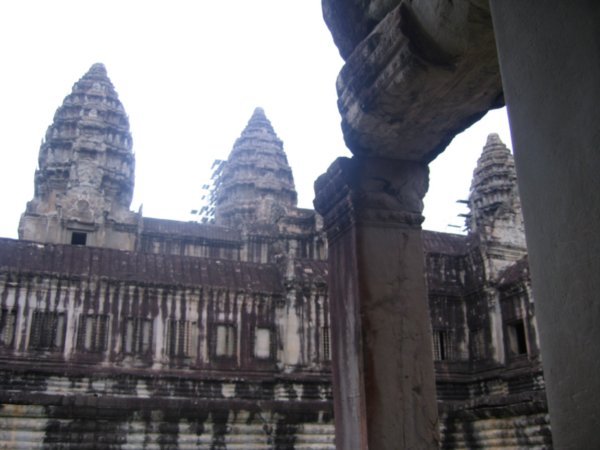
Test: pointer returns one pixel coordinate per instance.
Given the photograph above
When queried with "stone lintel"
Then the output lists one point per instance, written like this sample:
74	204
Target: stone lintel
417	80
384	386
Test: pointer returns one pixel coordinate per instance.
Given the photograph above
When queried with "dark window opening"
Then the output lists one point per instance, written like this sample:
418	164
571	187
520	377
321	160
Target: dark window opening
517	340
78	238
440	345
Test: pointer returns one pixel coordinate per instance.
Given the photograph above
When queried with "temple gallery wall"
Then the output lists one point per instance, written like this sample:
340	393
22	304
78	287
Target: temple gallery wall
119	331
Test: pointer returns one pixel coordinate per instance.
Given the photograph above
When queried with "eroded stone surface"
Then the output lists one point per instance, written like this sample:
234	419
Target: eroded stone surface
416	74
416	80
351	21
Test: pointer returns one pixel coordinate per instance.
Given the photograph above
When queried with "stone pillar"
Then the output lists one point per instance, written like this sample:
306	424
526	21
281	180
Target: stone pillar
550	64
494	312
384	385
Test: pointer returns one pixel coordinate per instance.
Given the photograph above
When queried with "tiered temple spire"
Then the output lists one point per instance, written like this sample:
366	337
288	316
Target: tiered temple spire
494	193
89	143
496	216
85	174
256	182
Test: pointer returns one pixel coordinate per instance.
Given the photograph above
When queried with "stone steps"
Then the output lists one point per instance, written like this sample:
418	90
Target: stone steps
29	427
525	432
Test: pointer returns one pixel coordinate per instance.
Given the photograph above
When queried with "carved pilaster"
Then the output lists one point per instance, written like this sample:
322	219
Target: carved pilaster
381	333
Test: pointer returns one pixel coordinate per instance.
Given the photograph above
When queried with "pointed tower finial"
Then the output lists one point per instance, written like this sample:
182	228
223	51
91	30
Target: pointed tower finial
493	184
493	139
97	69
259	123
256	182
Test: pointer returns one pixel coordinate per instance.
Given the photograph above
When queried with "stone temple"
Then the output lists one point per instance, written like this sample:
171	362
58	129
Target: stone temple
119	331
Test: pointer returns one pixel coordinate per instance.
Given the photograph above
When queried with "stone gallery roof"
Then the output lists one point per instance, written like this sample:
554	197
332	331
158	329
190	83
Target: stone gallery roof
79	261
445	243
178	229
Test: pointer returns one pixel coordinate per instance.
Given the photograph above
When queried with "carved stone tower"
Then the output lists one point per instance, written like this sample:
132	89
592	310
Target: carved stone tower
255	184
85	176
495	207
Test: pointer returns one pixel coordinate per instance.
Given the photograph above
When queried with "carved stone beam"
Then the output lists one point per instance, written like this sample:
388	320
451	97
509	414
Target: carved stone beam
384	385
427	71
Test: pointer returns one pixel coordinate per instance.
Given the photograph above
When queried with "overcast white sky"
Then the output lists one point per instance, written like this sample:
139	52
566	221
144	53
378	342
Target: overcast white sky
189	74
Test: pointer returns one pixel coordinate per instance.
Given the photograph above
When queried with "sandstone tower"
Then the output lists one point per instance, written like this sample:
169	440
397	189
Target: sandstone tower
495	207
256	184
85	176
255	194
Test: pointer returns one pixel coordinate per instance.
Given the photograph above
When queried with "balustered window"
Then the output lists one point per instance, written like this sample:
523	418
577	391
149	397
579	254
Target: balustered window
92	335
47	331
262	343
137	336
225	342
182	338
8	320
444	346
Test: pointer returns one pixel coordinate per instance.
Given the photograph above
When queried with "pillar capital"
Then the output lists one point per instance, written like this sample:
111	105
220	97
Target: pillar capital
371	191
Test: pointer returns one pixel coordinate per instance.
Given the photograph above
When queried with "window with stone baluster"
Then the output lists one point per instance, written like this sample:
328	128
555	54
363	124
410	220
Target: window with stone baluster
47	331
182	338
92	333
8	320
137	336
